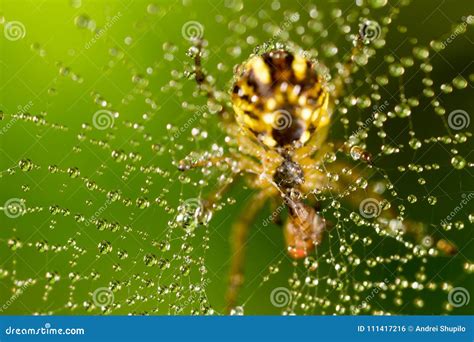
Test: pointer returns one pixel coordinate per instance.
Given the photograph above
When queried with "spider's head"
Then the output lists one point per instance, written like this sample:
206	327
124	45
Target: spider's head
279	97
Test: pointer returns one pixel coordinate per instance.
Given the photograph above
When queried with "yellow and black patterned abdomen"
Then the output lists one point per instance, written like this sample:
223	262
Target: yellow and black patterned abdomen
280	98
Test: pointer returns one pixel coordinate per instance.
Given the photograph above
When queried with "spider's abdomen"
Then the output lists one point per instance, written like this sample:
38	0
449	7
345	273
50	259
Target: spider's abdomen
280	98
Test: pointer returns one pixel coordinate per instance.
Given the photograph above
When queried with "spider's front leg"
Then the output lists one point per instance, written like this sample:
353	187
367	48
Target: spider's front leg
201	78
347	68
207	161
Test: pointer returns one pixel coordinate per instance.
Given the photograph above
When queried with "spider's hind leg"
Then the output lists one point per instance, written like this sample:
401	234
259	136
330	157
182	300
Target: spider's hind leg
239	235
371	202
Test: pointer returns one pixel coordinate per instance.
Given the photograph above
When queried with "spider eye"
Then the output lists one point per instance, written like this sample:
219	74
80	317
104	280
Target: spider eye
280	98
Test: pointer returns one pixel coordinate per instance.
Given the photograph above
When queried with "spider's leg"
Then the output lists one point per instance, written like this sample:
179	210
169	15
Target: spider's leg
238	240
210	161
348	67
388	218
203	83
276	207
216	195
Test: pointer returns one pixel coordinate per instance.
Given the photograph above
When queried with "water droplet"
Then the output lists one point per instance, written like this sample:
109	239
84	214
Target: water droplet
237	311
459	82
25	165
458	162
105	247
378	3
150	260
396	70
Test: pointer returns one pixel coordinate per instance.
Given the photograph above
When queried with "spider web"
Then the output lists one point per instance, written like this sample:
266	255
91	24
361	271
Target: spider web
98	218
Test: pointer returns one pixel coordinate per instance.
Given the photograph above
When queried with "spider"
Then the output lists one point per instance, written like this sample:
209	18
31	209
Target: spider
282	108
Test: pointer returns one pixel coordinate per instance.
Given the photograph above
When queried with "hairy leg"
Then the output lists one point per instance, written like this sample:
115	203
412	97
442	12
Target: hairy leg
238	240
347	68
387	218
203	83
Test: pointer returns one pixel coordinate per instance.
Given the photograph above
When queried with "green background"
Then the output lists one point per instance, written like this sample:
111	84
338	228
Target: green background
28	74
